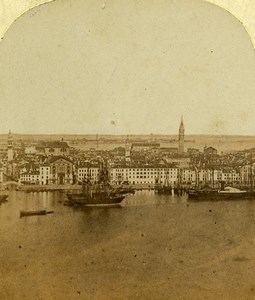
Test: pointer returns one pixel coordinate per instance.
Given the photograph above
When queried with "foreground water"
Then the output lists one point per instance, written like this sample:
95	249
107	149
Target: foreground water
152	247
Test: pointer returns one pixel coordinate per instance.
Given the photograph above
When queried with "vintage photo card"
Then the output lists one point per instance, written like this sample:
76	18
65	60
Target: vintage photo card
127	149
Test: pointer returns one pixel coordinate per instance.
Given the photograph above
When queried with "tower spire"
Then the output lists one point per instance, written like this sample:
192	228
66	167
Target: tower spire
181	136
9	154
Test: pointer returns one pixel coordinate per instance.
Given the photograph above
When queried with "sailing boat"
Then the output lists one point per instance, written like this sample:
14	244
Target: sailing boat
166	188
96	194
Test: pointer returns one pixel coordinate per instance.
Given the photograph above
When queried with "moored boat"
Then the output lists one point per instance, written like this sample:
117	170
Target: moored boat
125	190
164	189
94	199
97	194
24	213
200	194
228	193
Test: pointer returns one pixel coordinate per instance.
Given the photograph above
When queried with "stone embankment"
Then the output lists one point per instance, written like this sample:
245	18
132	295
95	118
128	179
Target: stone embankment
48	188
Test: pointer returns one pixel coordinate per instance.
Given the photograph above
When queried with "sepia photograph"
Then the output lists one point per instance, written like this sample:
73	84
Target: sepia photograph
127	149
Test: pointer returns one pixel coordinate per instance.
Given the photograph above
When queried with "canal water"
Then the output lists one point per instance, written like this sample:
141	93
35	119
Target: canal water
151	247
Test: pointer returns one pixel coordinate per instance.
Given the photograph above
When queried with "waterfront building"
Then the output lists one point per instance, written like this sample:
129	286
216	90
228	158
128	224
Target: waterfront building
144	175
45	175
30	177
247	174
61	170
188	176
203	176
230	176
213	177
87	171
181	137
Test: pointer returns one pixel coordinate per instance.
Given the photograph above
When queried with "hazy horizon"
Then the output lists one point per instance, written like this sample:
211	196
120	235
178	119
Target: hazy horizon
129	134
223	143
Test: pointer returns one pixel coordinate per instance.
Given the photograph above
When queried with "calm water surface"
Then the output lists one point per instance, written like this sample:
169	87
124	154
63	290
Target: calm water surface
151	247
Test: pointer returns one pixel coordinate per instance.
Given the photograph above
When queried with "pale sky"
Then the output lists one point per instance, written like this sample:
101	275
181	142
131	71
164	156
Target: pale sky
127	67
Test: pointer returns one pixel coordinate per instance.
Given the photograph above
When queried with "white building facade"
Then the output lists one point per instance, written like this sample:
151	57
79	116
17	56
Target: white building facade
31	177
144	175
84	172
44	172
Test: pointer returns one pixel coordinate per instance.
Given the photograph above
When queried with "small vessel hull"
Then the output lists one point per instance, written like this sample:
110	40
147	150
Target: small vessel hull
164	190
125	191
82	199
24	213
32	212
219	196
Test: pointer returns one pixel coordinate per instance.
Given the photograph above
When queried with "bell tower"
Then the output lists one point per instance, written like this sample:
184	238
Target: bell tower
181	137
127	150
9	147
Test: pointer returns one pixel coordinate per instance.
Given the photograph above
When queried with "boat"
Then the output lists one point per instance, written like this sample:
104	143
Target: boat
3	198
228	193
202	194
125	190
163	189
24	213
97	194
96	199
225	193
170	190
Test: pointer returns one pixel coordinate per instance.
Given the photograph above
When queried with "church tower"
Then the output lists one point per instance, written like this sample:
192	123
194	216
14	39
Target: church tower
181	137
127	150
9	147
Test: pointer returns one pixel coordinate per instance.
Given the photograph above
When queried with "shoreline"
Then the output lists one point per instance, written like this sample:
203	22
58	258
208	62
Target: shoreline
75	187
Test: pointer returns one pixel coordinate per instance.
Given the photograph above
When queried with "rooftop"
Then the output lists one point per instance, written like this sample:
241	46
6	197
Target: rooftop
55	158
55	144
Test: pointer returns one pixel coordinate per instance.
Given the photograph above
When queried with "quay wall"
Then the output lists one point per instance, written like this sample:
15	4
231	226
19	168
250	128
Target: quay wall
74	187
42	188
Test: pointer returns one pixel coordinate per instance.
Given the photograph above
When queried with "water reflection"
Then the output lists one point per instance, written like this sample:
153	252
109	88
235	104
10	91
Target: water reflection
148	238
151	198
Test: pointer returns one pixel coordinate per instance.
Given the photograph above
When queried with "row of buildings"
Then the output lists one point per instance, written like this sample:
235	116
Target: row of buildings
138	163
61	170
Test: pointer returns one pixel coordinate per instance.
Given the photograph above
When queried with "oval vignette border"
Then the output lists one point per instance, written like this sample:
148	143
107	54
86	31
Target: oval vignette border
244	12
